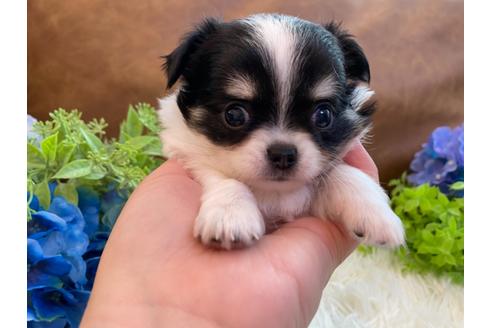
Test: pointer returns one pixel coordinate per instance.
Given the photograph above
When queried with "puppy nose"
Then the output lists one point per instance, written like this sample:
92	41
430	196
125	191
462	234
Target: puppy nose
282	156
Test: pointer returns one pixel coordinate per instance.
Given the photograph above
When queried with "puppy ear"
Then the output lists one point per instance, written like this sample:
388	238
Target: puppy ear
176	62
356	65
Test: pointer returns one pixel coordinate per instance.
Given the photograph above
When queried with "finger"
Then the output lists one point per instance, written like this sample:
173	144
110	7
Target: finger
162	208
359	157
170	167
324	240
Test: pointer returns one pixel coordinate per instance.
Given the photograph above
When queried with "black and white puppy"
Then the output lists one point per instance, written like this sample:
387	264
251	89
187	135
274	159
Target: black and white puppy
266	109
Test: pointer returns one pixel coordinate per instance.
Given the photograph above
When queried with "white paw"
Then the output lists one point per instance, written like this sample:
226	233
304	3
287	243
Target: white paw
361	204
377	225
229	216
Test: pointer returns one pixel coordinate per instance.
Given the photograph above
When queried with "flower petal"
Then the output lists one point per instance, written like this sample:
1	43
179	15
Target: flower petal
43	222
53	243
47	273
68	212
76	242
78	270
34	251
442	138
31	315
92	265
46	304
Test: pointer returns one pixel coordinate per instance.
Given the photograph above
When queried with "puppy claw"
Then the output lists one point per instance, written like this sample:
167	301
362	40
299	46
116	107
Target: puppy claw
359	234
379	226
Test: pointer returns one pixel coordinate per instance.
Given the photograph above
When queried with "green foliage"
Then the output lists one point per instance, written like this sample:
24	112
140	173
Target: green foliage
434	227
73	153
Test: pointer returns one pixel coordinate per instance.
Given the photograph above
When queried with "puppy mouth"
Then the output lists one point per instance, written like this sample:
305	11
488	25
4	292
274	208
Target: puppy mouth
279	179
282	177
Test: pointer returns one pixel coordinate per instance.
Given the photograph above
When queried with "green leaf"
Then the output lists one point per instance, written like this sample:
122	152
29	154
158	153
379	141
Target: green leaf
132	126
49	147
97	172
411	205
67	191
459	185
65	152
35	158
75	169
454	211
109	218
154	149
140	142
42	192
94	143
434	227
425	205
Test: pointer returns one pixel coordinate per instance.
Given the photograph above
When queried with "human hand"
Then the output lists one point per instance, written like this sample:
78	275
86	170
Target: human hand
153	272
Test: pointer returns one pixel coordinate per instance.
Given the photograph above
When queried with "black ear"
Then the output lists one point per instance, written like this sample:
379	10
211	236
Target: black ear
356	65
175	63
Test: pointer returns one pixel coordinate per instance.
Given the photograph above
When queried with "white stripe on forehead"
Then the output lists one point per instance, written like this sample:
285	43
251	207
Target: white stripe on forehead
276	35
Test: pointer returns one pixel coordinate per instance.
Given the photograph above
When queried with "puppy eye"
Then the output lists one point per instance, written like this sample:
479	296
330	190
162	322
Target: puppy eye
322	116
236	115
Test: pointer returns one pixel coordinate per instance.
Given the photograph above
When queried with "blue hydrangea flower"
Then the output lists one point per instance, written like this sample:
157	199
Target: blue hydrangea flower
55	307
44	271
65	243
89	205
64	247
56	243
111	205
93	255
441	160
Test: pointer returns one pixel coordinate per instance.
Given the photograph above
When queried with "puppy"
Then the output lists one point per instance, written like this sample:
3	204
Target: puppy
266	109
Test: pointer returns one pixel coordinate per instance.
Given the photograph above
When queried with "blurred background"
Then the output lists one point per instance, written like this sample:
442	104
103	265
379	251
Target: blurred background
100	56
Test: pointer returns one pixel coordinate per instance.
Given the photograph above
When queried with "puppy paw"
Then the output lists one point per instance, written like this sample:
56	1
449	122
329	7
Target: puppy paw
377	225
229	216
351	196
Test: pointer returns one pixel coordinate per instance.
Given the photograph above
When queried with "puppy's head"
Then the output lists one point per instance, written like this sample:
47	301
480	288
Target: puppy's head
274	99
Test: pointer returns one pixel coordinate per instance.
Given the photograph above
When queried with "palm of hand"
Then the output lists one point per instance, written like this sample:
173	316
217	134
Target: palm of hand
154	272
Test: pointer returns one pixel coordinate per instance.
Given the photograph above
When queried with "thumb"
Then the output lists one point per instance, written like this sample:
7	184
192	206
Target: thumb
326	243
309	250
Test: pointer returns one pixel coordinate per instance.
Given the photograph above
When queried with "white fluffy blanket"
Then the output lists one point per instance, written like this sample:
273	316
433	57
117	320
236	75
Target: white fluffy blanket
371	291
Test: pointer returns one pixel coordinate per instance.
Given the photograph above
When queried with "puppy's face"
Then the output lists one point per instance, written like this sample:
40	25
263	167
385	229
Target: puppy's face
275	100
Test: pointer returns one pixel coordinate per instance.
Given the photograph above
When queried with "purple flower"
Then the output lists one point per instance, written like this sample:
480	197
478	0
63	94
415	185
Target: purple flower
441	160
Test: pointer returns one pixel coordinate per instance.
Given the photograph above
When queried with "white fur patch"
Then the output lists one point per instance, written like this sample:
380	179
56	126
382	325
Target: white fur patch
240	86
275	34
228	214
360	95
352	197
325	88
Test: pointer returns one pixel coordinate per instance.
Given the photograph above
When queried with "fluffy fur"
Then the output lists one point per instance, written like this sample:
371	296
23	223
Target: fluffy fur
371	291
298	94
